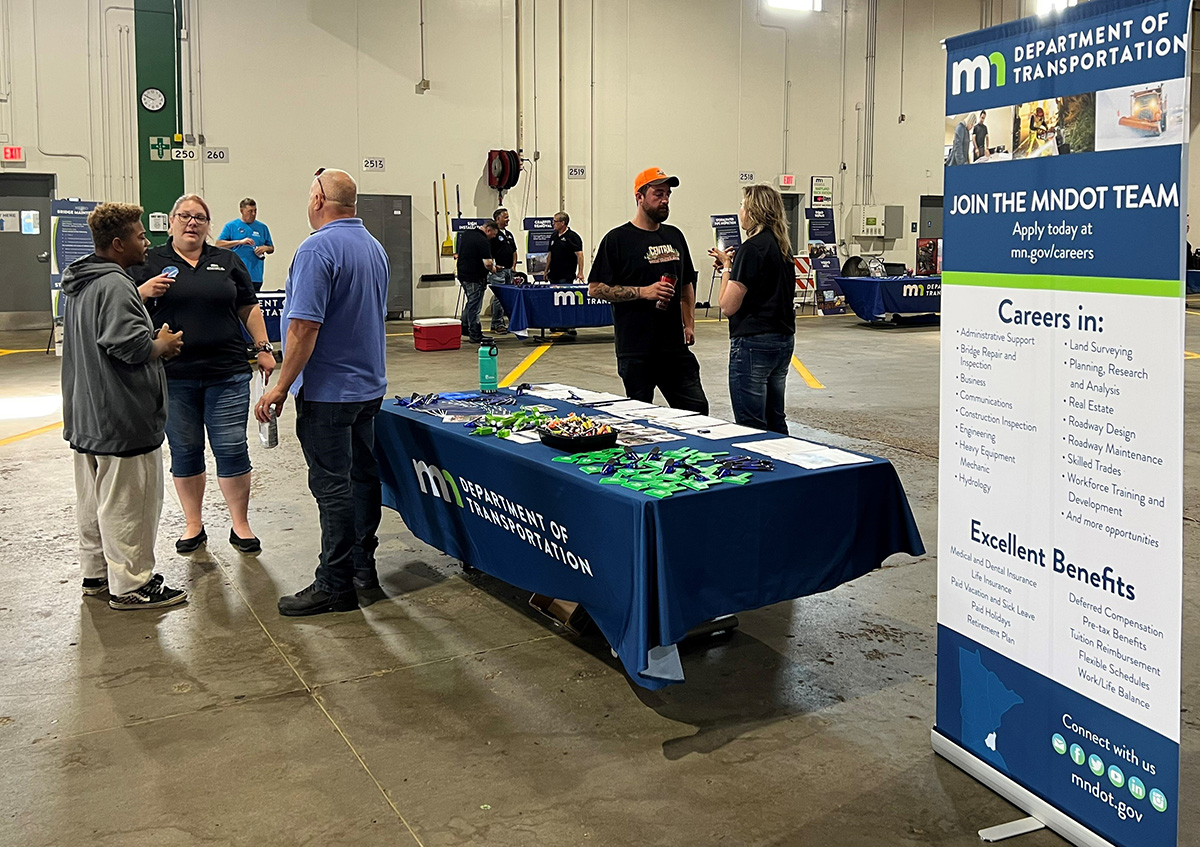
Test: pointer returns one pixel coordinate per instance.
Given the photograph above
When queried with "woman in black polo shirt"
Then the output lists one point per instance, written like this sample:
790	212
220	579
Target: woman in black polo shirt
208	384
758	284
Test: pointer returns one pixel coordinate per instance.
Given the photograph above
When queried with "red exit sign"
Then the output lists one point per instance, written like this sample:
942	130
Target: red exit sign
787	180
14	154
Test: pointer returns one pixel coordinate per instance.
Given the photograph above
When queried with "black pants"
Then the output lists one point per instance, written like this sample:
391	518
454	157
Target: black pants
338	440
676	375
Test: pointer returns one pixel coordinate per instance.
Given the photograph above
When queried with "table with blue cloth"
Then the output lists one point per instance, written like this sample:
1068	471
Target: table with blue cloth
872	298
1192	282
646	570
271	305
550	307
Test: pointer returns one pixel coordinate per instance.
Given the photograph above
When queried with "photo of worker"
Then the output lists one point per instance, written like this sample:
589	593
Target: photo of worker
1146	115
1054	127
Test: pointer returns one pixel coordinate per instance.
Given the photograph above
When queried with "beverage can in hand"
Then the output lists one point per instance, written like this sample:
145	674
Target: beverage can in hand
665	304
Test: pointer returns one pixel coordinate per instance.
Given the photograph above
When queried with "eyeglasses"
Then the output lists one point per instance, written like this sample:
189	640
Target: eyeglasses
186	218
319	185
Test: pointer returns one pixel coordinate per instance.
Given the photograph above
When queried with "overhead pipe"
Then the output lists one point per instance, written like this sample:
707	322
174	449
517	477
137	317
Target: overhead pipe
562	153
520	82
787	87
868	180
87	160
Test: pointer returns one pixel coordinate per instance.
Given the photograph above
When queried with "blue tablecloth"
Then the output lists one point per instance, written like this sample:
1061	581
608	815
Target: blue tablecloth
1193	282
550	306
271	304
646	570
873	298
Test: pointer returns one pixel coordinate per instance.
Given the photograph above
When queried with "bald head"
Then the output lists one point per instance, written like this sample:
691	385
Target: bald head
334	194
340	188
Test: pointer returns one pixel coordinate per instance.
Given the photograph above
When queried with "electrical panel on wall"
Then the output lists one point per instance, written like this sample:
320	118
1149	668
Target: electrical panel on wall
877	221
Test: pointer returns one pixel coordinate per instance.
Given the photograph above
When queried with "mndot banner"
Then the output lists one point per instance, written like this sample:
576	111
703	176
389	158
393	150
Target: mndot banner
1061	472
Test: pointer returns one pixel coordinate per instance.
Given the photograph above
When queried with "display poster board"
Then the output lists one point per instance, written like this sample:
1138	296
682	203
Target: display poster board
1061	462
821	191
458	225
726	232
70	239
830	298
537	244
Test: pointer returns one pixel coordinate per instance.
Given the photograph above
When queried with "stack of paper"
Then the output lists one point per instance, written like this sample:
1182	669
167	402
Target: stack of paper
804	454
722	431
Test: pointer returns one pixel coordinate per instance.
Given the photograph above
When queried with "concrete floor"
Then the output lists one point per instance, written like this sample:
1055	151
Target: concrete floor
449	713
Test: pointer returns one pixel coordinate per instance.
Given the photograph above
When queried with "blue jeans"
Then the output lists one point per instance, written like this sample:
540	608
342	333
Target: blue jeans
338	440
503	276
222	406
758	368
470	311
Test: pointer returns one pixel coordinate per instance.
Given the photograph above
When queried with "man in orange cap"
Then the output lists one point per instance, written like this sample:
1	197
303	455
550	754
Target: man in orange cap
645	270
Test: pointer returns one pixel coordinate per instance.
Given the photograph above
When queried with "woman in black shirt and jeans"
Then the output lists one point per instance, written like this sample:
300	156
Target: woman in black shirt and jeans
758	284
208	387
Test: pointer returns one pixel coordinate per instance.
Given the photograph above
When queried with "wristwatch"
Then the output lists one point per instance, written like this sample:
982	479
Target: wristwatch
264	347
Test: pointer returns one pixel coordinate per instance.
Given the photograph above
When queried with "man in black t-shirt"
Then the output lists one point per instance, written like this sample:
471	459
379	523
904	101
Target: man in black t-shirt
980	137
564	265
474	264
504	253
652	340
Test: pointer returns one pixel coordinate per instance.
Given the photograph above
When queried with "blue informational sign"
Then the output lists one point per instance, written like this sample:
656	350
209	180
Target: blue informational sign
830	298
1060	550
70	239
727	232
537	245
820	225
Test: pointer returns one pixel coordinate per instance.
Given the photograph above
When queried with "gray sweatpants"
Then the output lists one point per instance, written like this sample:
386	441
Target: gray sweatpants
118	503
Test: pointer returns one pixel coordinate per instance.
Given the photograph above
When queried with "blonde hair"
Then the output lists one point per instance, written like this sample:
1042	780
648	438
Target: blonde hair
764	210
184	198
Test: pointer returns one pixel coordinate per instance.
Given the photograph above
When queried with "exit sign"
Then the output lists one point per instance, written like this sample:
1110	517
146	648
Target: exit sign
14	154
787	180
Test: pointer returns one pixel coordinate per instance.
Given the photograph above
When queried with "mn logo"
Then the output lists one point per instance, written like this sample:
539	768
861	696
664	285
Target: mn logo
440	483
568	298
966	73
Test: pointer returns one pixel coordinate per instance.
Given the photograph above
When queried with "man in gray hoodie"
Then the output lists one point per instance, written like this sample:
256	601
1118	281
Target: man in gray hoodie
114	411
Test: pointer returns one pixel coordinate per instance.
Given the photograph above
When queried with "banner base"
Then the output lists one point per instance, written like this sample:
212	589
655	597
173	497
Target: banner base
1011	829
1066	826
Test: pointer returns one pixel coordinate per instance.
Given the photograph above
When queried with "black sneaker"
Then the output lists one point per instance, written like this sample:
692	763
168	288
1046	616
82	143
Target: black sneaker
190	545
153	595
245	545
313	601
92	587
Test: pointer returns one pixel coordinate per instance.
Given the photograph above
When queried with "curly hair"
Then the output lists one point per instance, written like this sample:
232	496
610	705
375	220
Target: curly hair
112	220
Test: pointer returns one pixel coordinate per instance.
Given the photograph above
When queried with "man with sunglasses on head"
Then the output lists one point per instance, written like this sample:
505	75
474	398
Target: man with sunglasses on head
334	308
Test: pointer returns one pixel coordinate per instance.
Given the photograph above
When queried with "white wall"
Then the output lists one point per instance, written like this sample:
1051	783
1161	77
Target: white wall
695	86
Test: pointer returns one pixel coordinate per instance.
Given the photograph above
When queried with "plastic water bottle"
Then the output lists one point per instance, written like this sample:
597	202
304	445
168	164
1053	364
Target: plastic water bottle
487	367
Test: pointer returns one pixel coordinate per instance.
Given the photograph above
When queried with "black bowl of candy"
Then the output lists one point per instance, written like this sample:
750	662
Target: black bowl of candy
577	434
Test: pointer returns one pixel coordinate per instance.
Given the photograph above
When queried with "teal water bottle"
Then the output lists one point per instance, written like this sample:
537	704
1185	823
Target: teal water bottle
487	367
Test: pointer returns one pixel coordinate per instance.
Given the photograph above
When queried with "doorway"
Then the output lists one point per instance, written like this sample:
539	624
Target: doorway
25	300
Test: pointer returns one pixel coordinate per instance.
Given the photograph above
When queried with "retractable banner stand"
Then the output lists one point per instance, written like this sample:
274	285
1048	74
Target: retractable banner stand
70	239
1061	474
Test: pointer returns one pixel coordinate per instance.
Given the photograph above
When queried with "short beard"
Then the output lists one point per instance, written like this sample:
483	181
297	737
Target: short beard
658	215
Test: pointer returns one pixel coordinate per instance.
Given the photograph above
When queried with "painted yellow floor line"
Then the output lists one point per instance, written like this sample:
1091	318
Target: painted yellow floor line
12	439
516	372
806	374
394	334
1190	312
10	352
1187	354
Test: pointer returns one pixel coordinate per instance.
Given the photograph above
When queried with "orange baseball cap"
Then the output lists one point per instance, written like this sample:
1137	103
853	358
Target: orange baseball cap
653	175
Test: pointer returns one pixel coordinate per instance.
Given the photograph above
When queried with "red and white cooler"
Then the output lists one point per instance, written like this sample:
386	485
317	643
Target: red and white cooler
437	334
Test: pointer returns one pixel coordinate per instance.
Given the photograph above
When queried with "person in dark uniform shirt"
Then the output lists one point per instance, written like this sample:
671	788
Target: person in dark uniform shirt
644	269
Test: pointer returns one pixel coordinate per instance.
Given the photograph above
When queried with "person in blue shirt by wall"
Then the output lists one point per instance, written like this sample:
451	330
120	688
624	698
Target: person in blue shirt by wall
250	239
334	307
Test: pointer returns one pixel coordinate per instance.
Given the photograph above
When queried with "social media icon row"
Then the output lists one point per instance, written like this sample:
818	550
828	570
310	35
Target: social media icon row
1116	776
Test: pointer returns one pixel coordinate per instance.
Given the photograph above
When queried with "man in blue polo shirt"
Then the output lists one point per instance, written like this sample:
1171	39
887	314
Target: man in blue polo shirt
334	307
249	238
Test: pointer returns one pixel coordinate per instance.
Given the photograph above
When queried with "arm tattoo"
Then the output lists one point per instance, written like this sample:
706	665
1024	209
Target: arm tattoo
614	293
